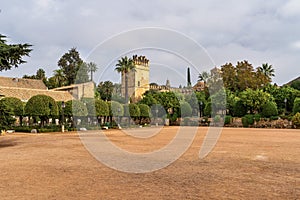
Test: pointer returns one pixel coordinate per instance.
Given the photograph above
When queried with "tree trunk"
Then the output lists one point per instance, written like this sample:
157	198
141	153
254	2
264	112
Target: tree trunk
126	88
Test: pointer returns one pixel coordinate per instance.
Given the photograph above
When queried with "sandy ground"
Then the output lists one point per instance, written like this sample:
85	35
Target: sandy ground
245	164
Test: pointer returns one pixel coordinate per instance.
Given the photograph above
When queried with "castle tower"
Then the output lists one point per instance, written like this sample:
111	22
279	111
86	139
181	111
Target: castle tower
138	80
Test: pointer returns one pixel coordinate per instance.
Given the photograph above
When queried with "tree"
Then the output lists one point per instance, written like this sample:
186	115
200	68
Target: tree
185	109
296	85
41	106
203	76
253	100
92	67
16	106
267	70
189	83
134	110
101	107
124	66
105	90
11	54
269	109
229	76
6	113
82	74
59	78
70	63
296	107
144	111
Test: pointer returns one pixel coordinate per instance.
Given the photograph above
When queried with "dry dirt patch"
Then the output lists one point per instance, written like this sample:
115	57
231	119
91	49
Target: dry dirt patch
245	164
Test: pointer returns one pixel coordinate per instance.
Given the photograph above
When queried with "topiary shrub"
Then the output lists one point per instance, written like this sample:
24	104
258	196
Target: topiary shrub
239	109
207	109
269	109
228	120
185	109
296	107
296	120
247	120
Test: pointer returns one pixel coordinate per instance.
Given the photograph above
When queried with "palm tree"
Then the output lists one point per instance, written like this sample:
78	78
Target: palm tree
203	76
92	67
124	66
59	77
267	70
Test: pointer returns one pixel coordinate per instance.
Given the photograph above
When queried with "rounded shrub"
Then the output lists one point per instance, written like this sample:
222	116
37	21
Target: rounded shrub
239	109
296	120
247	120
134	110
228	119
269	109
186	109
296	107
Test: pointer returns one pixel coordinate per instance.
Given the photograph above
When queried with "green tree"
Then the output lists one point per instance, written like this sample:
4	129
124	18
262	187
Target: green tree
144	111
186	109
16	106
254	99
134	110
239	109
6	113
90	106
59	78
70	63
41	106
296	107
269	109
82	74
105	90
229	75
11	55
92	67
116	109
296	85
124	66
101	107
267	70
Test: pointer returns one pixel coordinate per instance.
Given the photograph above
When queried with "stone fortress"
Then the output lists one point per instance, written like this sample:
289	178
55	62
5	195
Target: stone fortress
138	81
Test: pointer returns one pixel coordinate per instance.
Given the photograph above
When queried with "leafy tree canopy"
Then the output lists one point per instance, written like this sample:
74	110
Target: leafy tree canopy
11	55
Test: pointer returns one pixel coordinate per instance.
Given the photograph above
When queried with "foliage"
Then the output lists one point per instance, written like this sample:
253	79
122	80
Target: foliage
296	120
116	109
134	110
269	109
70	63
254	99
228	119
11	54
217	118
247	120
207	109
41	105
82	74
239	109
90	106
124	66
75	108
185	109
243	76
101	107
296	107
193	102
92	67
6	113
296	85
144	110
15	104
105	90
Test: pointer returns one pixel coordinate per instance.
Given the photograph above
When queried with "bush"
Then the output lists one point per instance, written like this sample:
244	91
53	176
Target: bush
247	120
269	109
256	117
239	109
186	109
274	117
296	107
296	120
217	118
228	119
207	109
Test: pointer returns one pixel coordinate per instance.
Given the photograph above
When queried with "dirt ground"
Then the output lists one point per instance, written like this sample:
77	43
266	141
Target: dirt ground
245	164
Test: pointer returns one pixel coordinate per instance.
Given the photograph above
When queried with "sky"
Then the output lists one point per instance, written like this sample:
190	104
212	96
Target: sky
173	34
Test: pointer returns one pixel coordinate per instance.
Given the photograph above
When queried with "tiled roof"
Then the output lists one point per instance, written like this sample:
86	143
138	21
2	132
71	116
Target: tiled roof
25	94
22	83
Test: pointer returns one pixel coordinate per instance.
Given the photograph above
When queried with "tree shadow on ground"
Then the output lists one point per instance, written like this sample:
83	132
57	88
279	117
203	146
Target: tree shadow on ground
8	143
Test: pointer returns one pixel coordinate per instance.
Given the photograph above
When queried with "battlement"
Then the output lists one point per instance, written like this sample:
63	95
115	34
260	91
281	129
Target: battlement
140	60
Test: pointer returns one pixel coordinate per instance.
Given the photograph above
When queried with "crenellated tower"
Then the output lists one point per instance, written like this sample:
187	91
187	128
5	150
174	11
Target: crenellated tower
138	80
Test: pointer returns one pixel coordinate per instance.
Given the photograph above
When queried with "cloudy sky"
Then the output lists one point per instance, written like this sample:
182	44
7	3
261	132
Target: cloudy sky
172	34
